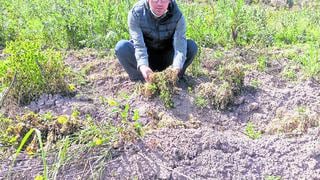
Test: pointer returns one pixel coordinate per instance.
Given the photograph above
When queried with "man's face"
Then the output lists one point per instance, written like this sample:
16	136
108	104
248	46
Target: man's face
159	7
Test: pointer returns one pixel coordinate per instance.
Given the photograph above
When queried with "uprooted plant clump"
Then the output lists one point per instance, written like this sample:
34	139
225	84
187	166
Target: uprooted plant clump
51	127
298	121
121	126
223	87
162	84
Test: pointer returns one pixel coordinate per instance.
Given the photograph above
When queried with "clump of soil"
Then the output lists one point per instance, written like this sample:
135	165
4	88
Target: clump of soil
224	86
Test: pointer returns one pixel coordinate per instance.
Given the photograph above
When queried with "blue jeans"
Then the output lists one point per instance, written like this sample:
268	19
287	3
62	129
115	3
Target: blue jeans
158	60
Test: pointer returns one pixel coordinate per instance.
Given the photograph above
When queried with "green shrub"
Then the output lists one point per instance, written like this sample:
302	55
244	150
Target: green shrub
31	71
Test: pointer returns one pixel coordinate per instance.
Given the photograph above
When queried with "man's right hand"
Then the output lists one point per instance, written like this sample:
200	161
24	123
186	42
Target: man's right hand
146	72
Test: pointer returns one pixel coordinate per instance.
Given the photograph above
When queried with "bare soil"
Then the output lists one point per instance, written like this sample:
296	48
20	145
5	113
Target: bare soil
193	142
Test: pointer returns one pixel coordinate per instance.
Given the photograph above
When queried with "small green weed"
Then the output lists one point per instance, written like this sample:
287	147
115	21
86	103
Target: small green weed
218	54
273	178
301	110
255	83
251	132
121	126
289	73
63	145
201	101
262	63
136	124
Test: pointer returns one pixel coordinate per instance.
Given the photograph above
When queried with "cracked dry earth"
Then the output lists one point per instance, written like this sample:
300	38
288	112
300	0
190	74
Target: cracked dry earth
203	143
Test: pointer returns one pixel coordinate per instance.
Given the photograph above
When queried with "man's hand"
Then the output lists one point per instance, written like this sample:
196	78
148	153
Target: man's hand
146	72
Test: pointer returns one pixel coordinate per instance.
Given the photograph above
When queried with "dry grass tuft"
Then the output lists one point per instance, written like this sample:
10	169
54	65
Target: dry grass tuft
224	86
293	122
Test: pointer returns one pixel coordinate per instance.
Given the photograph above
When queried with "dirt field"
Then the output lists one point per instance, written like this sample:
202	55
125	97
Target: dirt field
192	142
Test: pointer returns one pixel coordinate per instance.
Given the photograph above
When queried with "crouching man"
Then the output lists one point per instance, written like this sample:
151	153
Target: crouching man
158	40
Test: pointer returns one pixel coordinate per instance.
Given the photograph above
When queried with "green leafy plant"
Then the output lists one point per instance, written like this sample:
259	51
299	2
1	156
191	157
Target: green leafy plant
48	116
201	101
6	138
31	71
127	128
235	15
255	83
136	124
262	63
273	178
251	132
125	112
291	27
289	73
310	61
301	110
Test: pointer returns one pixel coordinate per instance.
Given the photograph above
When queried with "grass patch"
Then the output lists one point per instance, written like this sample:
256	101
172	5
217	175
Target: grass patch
100	24
310	61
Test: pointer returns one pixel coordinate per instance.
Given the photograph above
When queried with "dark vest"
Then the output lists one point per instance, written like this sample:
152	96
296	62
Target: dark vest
157	32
